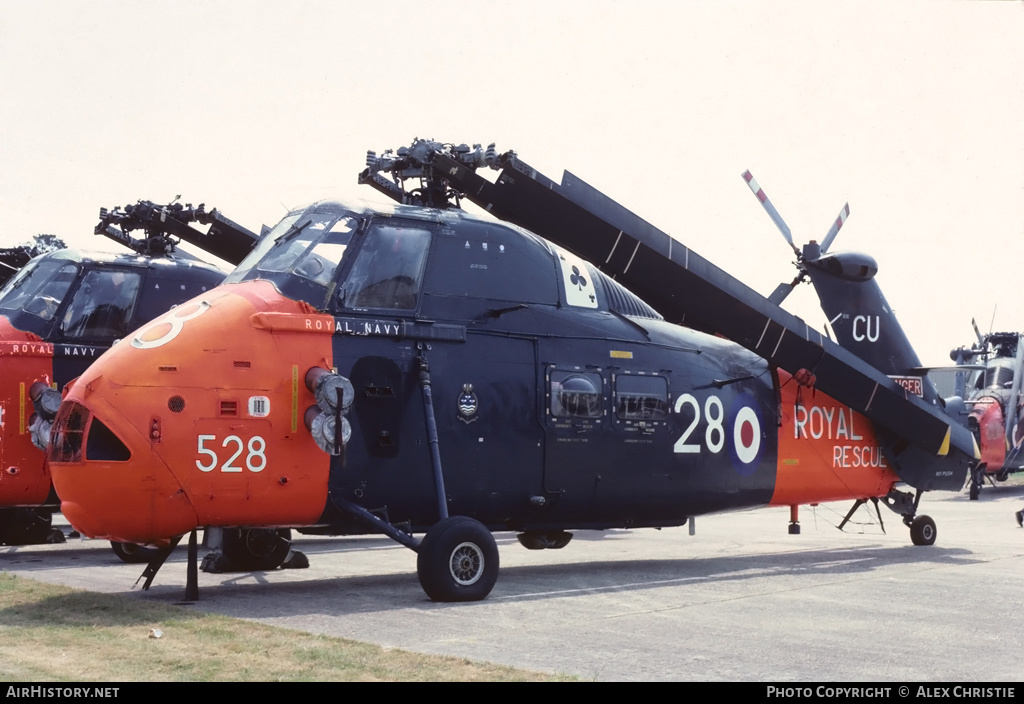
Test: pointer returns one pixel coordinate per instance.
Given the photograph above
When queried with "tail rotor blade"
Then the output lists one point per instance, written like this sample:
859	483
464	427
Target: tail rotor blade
836	227
770	209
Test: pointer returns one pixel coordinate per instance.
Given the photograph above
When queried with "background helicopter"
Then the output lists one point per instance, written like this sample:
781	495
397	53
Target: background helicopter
417	369
989	376
12	259
62	310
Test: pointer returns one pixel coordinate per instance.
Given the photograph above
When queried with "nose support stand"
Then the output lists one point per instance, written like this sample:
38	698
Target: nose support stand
156	563
192	572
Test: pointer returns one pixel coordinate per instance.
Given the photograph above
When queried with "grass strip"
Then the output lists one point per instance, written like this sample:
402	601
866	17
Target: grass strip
50	633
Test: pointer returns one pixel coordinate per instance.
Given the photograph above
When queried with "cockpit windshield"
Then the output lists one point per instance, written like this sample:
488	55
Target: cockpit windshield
39	288
300	255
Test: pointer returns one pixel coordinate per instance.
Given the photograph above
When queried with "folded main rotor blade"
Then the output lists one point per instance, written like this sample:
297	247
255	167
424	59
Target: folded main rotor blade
770	209
783	290
836	227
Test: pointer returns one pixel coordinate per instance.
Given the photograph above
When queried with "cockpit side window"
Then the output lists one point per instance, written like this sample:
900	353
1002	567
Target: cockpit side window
266	243
388	270
39	290
102	305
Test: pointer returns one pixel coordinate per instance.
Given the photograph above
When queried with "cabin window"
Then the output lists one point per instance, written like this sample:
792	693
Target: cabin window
576	394
641	397
483	261
102	305
388	271
998	377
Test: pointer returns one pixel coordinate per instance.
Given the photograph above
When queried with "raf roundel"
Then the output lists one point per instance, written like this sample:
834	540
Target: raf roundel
745	433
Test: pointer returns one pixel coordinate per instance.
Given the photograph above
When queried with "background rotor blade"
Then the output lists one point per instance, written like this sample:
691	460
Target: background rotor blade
836	226
772	212
783	290
780	293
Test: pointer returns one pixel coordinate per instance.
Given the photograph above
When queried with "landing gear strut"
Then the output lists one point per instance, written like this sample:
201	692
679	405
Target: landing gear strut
922	528
457	560
976	480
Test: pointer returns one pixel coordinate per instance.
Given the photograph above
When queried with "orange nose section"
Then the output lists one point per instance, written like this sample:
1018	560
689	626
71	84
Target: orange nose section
196	421
125	492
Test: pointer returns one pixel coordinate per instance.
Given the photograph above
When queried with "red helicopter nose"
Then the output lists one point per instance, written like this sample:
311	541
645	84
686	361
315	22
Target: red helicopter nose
197	421
25	359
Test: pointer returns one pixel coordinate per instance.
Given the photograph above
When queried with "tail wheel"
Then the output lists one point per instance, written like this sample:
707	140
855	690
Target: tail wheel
923	531
457	560
132	553
256	549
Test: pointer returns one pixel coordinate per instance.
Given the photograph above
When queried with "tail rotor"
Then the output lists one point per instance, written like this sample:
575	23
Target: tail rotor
811	251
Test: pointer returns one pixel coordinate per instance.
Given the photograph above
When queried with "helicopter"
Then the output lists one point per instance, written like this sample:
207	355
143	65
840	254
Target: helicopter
989	377
416	369
61	311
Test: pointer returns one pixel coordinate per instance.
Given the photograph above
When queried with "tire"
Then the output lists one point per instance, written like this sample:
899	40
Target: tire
457	560
27	526
560	539
256	549
923	531
132	553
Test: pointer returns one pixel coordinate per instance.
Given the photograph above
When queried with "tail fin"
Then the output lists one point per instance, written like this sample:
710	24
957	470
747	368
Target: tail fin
861	318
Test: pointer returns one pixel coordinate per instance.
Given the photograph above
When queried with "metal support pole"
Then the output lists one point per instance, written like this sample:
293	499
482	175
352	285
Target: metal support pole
435	452
192	573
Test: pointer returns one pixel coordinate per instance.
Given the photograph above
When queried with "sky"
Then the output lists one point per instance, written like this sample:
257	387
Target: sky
913	112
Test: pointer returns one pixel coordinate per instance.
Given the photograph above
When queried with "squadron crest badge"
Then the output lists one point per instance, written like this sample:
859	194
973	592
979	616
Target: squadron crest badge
468	404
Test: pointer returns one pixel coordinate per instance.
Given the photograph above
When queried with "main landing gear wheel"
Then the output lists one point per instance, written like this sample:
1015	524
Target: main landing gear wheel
132	553
256	549
923	531
457	560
